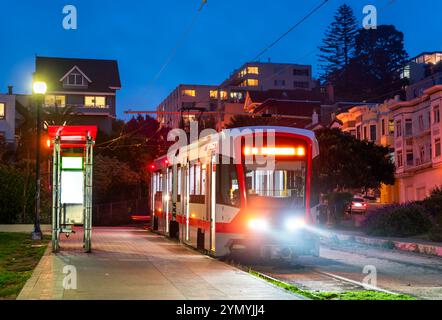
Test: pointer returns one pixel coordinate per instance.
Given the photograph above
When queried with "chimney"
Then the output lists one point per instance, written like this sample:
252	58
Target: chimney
330	93
315	117
10	90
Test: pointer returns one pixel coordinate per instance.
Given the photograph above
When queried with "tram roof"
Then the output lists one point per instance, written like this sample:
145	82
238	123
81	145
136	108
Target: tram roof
243	131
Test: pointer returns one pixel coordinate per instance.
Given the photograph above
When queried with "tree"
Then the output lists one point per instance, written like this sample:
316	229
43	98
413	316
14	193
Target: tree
338	44
135	145
348	163
113	180
379	56
381	52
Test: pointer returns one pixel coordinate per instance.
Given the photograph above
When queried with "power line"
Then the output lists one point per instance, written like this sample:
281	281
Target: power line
180	41
290	30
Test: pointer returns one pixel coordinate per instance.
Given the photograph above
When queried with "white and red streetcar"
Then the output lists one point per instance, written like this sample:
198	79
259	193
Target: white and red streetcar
220	199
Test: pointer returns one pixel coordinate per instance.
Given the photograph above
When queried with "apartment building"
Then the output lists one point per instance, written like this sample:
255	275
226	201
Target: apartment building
270	76
375	123
88	86
231	93
422	72
7	117
185	97
417	144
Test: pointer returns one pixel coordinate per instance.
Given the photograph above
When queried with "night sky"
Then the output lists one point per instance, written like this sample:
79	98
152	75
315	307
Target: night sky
227	33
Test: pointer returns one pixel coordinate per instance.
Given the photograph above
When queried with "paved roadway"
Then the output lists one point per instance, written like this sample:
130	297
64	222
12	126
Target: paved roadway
129	263
403	272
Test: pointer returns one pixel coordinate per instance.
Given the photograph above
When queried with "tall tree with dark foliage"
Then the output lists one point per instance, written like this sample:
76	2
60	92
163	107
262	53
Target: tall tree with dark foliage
338	44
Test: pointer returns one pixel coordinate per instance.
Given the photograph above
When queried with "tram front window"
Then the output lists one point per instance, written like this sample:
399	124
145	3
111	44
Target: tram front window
285	185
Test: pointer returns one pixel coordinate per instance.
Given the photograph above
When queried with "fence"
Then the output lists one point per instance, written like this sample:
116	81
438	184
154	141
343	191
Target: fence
119	213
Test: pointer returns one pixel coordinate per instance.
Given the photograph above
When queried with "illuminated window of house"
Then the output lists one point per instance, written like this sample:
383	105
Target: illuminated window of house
373	131
410	158
437	148
189	93
75	79
223	95
95	101
421	122
399	159
391	127
55	101
214	94
2	111
252	70
408	127
252	82
436	114
236	95
242	73
398	128
422	153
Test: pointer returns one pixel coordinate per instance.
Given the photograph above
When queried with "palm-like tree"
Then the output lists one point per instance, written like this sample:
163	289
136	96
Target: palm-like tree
26	132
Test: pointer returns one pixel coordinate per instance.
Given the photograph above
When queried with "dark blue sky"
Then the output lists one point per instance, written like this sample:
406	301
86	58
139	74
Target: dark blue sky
141	34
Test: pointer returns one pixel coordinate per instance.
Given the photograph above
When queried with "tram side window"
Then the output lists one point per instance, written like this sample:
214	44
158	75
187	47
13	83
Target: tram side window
203	179
227	185
197	180
169	176
192	179
179	181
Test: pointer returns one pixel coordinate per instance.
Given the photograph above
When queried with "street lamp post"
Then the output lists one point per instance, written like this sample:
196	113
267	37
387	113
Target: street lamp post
39	91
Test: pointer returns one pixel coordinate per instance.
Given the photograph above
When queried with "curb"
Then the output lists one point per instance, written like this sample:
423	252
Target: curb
429	249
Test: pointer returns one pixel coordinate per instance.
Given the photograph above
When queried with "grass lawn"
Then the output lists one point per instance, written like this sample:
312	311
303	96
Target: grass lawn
19	255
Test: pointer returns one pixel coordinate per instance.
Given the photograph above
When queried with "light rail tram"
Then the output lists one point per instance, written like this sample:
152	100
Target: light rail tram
245	189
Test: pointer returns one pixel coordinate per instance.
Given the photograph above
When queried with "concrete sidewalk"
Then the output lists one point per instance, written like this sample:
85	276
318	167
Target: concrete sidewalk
404	244
129	263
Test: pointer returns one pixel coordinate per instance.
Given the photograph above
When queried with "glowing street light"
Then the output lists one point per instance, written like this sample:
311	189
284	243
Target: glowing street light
40	87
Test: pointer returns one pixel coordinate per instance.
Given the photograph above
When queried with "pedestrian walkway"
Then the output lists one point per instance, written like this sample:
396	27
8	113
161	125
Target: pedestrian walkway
134	264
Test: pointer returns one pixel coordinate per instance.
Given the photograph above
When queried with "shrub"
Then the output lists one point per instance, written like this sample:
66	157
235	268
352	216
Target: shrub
436	233
16	205
433	205
398	221
337	202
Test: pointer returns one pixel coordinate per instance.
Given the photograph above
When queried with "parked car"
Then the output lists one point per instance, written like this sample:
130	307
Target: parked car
358	205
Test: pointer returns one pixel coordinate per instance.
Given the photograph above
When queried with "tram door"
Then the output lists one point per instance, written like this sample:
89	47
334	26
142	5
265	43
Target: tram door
212	202
186	202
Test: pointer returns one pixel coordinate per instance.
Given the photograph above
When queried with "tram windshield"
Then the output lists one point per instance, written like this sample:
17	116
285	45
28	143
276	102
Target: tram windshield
284	185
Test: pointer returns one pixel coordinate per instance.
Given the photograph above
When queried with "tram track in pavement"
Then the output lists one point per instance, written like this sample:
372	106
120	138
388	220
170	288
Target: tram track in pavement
304	277
340	268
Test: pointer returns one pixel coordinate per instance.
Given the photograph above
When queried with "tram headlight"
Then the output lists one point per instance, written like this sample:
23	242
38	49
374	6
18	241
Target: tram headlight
293	224
258	224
